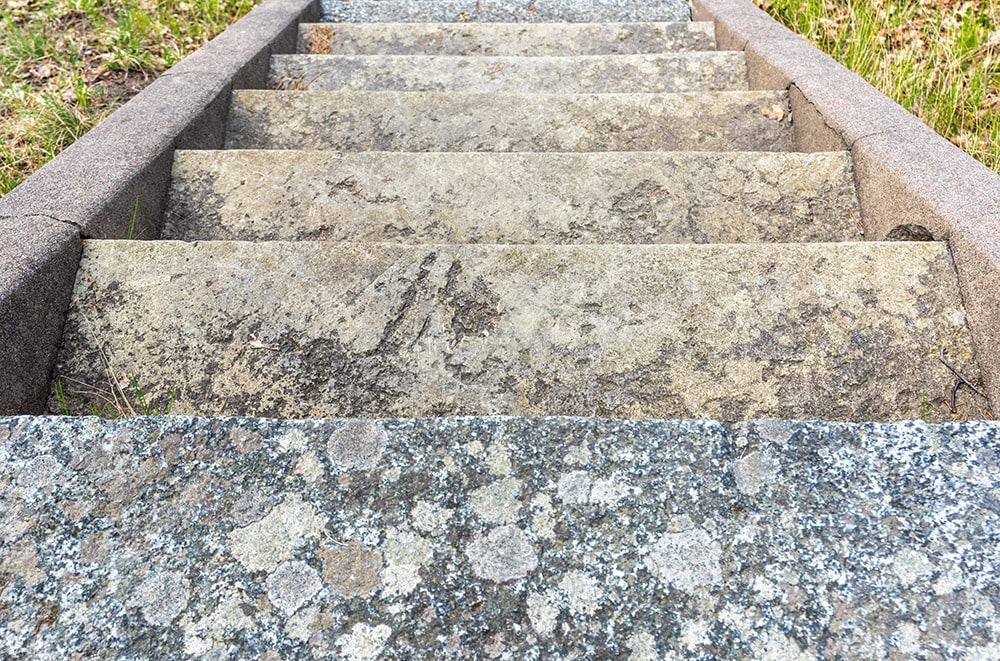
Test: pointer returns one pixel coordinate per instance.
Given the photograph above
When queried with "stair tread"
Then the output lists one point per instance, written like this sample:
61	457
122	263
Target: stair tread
538	538
587	74
730	331
502	11
611	197
505	38
438	121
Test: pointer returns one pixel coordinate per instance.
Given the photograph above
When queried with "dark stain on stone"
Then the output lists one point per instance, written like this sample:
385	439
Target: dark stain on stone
869	297
192	207
638	204
347	185
909	232
475	307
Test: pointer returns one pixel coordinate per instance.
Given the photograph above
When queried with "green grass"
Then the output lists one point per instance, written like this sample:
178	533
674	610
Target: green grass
67	64
119	396
939	59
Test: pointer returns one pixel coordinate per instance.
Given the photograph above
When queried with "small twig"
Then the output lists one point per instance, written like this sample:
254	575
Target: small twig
954	394
959	375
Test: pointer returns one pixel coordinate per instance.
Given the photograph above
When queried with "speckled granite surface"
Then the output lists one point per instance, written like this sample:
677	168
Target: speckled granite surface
579	74
617	197
497	538
504	38
577	11
441	121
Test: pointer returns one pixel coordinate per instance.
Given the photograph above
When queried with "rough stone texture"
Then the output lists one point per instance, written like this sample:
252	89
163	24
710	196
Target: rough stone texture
521	39
39	258
577	74
501	11
907	174
205	538
977	259
619	197
432	121
846	331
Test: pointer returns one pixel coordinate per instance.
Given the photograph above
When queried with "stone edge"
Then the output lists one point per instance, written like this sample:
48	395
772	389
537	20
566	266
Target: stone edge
906	173
120	168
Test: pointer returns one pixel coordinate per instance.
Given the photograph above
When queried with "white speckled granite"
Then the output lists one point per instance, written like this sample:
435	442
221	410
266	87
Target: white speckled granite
572	11
519	538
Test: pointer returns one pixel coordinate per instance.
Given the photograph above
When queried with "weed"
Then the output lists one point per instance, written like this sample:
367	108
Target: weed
131	226
939	60
122	396
57	387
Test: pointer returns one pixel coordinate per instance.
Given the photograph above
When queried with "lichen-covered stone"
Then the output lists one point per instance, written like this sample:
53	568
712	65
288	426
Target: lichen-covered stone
579	74
620	197
576	11
864	540
454	121
847	331
520	39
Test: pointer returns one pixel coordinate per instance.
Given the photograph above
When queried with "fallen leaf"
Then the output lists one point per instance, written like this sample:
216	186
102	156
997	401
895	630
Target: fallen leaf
775	112
42	71
257	344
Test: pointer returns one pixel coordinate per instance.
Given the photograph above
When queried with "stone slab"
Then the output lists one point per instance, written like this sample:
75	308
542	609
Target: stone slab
574	11
848	331
520	39
433	121
616	197
578	74
166	538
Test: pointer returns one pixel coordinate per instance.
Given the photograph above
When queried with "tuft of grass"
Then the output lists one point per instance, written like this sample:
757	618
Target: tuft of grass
939	59
67	64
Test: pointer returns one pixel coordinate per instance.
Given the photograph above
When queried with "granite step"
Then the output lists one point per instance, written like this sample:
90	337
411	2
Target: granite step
556	198
507	39
848	331
178	537
578	74
503	11
437	121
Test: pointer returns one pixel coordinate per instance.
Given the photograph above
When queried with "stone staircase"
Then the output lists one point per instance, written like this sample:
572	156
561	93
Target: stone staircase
562	214
551	218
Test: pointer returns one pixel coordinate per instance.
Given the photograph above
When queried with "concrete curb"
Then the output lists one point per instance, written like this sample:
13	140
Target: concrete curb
92	188
907	174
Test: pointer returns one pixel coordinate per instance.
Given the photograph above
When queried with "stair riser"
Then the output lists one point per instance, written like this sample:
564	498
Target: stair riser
617	197
728	332
425	121
686	72
504	38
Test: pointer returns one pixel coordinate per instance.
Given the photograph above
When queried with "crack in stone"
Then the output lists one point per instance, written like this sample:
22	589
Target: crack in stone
78	226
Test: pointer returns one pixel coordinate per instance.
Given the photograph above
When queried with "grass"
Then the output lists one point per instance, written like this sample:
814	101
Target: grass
939	59
67	64
121	396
